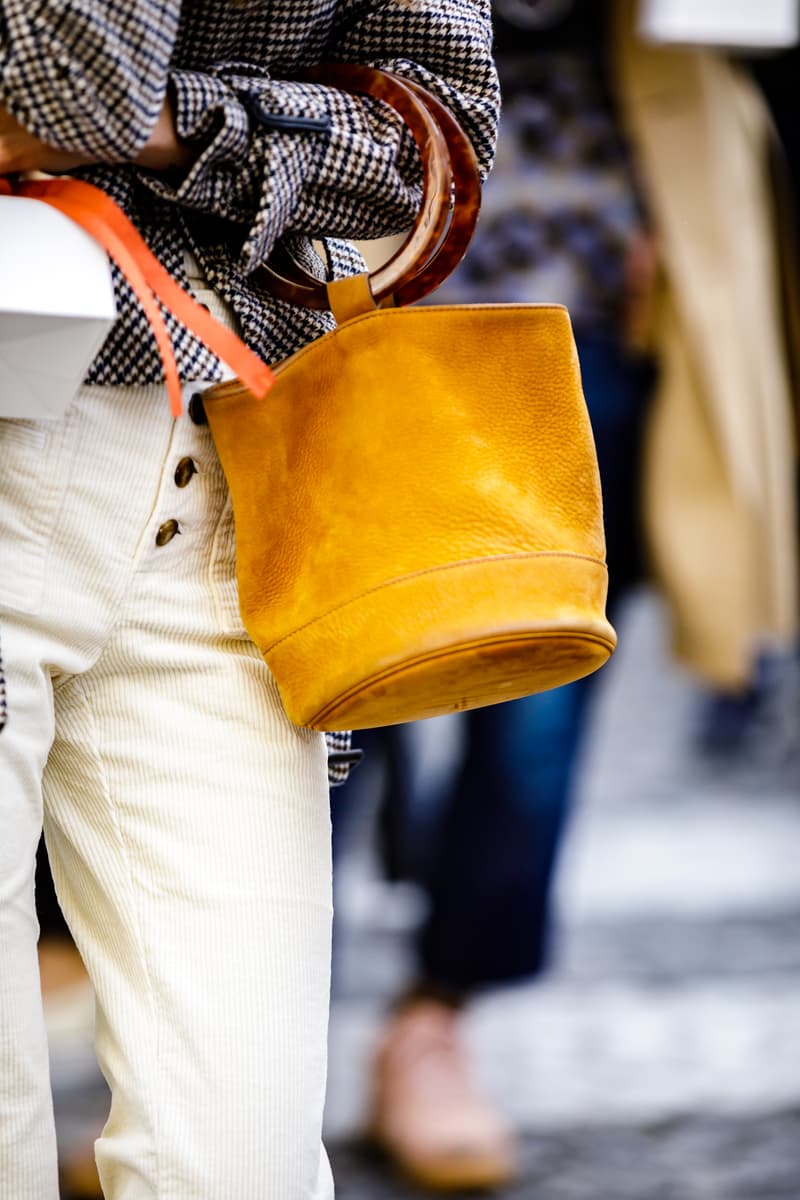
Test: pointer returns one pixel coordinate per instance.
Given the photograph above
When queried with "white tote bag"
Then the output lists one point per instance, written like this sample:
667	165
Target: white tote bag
56	307
732	24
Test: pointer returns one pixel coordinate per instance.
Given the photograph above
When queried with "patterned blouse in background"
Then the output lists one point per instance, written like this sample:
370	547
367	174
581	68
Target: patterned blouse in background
563	203
90	76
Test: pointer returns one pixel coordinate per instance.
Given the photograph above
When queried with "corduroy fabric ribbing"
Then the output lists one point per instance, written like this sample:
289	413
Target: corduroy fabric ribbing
187	819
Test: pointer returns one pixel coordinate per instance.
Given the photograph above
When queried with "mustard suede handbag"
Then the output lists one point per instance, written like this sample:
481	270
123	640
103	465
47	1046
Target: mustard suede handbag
417	499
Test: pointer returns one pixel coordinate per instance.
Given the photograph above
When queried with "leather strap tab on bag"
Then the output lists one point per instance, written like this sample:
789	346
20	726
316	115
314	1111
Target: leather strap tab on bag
350	297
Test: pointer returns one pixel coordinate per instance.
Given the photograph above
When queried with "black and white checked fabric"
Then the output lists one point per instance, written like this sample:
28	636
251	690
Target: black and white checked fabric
91	75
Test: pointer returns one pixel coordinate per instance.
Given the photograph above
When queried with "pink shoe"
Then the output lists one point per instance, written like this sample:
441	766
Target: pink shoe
427	1113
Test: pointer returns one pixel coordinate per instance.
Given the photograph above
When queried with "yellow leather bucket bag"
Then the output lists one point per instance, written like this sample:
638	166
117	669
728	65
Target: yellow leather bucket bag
417	500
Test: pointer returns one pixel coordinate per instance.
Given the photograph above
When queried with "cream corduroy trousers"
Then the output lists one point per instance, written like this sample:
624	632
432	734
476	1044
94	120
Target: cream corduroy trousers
186	819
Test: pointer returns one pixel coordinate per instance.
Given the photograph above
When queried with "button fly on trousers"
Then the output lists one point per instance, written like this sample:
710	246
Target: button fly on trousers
197	413
167	531
184	471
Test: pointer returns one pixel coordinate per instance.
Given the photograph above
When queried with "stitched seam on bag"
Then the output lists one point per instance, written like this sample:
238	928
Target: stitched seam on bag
431	655
464	562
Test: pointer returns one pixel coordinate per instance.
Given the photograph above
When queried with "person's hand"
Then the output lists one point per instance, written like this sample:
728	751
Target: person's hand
22	151
164	150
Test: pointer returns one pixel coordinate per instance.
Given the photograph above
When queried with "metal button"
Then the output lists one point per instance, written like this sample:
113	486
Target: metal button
197	413
167	532
184	471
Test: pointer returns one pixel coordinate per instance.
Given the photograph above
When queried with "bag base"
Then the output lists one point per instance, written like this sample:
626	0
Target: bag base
455	665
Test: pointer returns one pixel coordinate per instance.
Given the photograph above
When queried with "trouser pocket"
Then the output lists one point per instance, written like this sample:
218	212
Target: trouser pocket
34	472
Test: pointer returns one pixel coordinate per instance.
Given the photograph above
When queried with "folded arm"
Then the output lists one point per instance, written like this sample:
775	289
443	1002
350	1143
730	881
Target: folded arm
351	169
348	169
21	150
89	79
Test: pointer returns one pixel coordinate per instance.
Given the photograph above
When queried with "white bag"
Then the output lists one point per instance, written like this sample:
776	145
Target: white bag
732	24
56	307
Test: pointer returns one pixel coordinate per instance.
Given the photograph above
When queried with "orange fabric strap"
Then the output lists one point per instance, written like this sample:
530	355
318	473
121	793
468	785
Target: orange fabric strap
105	221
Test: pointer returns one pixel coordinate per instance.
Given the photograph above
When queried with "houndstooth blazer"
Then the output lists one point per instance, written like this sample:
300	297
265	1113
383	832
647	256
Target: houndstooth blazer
90	75
276	158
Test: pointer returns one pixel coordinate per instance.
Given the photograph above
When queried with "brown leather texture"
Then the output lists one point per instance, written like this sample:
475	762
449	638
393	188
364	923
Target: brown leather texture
418	513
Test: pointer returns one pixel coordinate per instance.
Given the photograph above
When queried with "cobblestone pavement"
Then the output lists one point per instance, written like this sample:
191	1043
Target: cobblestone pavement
660	1059
696	1158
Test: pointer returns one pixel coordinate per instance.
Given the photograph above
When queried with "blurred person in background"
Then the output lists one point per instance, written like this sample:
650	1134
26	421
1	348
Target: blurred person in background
719	497
630	185
564	221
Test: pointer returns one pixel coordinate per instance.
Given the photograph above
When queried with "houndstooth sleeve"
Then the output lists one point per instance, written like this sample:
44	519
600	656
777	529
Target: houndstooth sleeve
87	77
281	156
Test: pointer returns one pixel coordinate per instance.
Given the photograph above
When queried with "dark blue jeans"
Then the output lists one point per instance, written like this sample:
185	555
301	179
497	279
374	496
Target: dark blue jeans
485	847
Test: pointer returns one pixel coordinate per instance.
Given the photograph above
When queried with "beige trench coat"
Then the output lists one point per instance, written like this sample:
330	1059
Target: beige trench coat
720	461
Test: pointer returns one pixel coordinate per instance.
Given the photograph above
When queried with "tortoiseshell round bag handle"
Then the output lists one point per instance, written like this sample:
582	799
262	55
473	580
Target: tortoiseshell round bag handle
466	202
450	201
